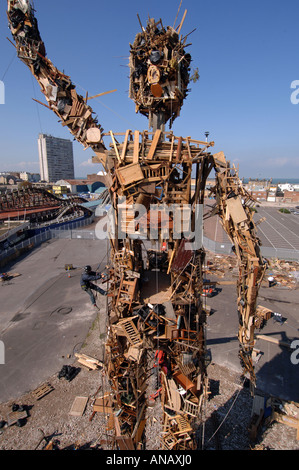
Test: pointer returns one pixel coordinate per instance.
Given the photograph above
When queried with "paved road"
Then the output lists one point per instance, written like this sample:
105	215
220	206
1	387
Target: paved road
45	316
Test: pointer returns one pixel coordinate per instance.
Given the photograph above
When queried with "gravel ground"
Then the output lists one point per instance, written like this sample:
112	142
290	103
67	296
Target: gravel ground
228	410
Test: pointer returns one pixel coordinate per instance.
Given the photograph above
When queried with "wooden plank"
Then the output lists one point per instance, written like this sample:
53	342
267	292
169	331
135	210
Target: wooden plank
236	210
115	146
274	340
182	22
179	149
87	364
136	147
140	431
140	416
100	94
154	144
90	360
288	420
125	442
125	144
175	395
103	404
78	406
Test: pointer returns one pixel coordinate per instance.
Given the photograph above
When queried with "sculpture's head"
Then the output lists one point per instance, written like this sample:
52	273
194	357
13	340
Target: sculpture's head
159	73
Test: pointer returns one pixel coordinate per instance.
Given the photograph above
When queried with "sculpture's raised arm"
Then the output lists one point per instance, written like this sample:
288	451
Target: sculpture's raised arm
71	108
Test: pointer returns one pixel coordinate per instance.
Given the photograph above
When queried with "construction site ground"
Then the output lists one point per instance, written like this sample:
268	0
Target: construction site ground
55	320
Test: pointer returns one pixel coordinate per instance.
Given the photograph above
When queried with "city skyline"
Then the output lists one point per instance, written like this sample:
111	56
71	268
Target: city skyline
246	96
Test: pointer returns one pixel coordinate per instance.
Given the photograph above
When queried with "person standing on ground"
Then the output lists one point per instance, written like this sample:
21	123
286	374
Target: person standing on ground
271	281
87	285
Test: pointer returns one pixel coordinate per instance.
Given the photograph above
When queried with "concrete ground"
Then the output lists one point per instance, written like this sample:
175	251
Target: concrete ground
45	316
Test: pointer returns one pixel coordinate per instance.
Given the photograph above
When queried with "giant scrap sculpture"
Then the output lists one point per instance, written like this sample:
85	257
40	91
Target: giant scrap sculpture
152	170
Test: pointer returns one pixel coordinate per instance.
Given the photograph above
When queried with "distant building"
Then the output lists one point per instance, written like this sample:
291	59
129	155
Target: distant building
286	187
259	194
60	190
100	176
80	186
291	196
56	158
9	179
30	177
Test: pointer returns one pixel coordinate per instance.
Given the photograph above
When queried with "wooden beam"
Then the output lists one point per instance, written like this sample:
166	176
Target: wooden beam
115	146
125	144
136	147
154	144
182	22
274	340
100	94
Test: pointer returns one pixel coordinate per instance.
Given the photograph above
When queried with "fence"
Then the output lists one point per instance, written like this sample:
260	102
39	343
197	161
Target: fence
84	234
72	231
68	230
267	251
217	247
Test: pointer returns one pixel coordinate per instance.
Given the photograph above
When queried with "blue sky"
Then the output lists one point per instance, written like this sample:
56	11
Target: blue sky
246	53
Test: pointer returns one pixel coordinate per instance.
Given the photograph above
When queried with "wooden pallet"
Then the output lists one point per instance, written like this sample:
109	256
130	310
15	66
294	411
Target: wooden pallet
14	416
43	390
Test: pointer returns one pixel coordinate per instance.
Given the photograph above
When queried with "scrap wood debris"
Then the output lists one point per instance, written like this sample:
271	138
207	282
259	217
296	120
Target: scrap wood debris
154	169
285	273
267	410
88	361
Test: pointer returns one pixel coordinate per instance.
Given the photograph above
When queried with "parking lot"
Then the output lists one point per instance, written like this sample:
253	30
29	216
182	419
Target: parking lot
277	231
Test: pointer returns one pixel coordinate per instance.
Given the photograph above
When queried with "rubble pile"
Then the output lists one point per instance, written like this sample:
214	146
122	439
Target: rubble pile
285	273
